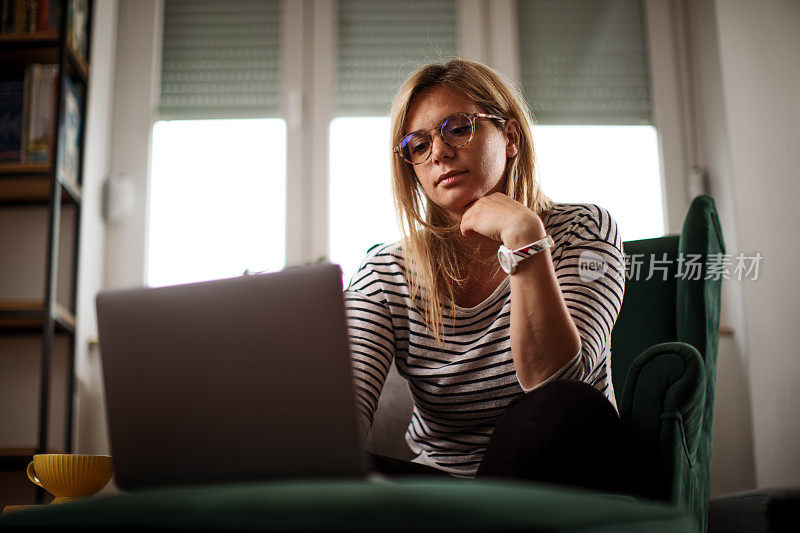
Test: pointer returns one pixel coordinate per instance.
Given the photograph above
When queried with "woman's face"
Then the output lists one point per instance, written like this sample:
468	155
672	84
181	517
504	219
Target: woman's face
473	170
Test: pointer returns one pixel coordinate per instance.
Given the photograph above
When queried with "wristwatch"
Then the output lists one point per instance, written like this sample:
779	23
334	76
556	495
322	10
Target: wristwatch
509	259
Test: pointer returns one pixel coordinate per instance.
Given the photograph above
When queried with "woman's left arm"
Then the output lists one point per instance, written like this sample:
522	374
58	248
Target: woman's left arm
544	335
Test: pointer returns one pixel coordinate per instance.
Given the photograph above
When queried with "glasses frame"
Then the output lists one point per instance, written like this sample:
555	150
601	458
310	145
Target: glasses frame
470	116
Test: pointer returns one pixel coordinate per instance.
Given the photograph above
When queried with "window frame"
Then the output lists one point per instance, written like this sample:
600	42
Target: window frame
671	100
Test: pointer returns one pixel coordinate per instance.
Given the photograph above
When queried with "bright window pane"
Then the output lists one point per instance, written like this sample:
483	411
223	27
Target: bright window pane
361	207
615	167
217	199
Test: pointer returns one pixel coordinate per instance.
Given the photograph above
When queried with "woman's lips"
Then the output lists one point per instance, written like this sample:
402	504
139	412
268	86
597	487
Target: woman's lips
450	178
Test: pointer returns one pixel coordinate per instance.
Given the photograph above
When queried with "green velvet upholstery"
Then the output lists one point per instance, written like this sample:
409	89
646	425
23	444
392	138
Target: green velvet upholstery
664	359
405	505
647	316
662	412
698	312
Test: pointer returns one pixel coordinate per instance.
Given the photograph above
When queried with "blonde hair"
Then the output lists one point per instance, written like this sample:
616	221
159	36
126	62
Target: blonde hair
432	265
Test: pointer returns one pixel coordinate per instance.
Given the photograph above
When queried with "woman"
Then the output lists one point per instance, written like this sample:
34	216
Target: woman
508	364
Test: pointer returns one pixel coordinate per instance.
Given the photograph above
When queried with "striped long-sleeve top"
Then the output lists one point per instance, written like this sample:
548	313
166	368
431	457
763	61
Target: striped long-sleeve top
463	386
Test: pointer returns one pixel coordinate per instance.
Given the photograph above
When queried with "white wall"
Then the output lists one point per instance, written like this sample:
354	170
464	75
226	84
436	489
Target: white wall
732	465
740	82
121	105
671	112
135	101
90	434
759	47
119	108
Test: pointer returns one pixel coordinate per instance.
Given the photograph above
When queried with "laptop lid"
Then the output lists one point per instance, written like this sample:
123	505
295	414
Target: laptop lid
231	380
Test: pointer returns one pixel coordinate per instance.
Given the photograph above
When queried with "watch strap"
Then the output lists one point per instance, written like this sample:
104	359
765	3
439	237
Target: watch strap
514	257
533	248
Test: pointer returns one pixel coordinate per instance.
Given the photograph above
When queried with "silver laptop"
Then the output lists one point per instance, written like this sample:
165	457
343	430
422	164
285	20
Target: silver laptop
231	380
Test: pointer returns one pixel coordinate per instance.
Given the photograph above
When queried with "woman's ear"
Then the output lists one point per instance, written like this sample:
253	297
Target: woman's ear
512	134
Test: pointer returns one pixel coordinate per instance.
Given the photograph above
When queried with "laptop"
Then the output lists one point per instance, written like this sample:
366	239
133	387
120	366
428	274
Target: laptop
231	380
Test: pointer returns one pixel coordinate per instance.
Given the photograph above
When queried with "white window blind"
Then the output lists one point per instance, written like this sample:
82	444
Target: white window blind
221	59
381	41
584	61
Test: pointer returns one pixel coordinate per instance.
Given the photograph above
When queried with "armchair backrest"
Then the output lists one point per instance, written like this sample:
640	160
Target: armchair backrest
648	312
698	300
676	304
667	298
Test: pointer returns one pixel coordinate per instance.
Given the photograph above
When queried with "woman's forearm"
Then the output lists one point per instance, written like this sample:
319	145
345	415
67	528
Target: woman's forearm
543	335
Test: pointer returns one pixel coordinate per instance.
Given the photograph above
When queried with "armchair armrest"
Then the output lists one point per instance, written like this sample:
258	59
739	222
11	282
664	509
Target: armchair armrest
662	413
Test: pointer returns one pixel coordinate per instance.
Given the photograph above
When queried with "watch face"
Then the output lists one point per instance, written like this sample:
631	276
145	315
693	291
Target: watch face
504	257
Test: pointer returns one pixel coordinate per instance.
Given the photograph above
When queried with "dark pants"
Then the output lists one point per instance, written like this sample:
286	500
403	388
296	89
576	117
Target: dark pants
564	433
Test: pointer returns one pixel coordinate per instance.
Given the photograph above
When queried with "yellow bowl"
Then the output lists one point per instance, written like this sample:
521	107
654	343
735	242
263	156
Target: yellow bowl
70	476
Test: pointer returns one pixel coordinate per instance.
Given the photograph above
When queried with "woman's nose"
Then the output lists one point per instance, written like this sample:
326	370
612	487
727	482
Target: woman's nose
441	150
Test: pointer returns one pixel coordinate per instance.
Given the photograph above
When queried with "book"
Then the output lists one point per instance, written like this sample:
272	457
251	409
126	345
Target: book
77	12
27	115
49	15
20	16
40	115
54	22
26	106
7	16
69	135
32	16
44	15
11	106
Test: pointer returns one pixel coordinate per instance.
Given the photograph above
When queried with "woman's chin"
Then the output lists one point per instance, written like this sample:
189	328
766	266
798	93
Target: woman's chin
457	202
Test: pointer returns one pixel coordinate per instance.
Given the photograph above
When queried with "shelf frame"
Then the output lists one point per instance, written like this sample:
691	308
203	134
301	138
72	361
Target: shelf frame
14	459
39	184
38	38
27	316
34	189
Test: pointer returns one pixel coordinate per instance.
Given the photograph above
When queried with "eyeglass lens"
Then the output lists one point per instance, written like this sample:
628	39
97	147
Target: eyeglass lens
456	131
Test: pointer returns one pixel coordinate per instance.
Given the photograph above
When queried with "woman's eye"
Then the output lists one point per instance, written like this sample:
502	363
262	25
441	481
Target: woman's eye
419	148
459	131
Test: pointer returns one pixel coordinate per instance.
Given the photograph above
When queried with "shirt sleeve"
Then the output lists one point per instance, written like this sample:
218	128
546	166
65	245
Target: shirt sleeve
555	375
591	274
372	343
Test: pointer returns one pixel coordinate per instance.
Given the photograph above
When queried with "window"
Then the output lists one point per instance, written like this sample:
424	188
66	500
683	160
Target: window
584	70
217	199
361	206
218	174
615	167
378	45
226	164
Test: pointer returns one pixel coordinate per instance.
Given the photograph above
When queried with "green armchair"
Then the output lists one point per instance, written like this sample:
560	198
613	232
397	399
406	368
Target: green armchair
664	359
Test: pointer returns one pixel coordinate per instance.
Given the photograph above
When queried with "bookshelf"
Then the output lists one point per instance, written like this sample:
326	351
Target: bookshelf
44	76
29	316
34	190
41	36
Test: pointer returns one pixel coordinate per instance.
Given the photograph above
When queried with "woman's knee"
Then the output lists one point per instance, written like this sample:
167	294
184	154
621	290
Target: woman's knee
562	400
562	413
563	432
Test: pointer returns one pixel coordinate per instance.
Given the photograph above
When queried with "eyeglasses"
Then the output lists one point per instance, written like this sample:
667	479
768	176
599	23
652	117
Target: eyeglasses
456	130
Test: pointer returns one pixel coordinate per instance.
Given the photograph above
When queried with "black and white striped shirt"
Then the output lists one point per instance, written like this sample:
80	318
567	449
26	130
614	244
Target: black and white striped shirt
462	387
